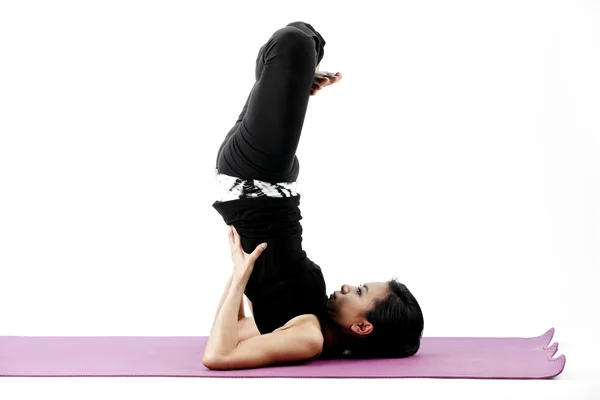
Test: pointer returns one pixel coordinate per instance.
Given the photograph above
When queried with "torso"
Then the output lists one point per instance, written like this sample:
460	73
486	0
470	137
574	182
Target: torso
286	288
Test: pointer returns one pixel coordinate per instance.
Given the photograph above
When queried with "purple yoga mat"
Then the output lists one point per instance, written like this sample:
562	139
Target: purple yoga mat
438	357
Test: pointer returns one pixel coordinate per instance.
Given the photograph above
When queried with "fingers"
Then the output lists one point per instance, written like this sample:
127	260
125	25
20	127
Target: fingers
329	79
334	79
234	238
257	252
320	82
232	246
235	243
315	88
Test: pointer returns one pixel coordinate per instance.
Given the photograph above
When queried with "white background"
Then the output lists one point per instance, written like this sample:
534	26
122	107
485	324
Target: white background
459	153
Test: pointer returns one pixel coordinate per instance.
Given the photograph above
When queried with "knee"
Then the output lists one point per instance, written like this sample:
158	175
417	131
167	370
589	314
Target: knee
292	42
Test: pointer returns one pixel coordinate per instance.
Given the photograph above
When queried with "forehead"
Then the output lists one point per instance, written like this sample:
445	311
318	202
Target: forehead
377	286
377	283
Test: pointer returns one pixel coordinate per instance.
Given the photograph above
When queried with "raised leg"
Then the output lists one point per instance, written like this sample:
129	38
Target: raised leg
263	143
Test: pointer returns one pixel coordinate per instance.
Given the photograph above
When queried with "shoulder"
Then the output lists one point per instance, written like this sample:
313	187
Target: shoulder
306	321
308	327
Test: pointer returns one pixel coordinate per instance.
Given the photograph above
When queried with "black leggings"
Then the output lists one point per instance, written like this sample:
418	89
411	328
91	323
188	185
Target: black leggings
262	144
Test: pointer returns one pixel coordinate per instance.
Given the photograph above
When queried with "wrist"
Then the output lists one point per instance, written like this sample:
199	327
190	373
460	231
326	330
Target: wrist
238	282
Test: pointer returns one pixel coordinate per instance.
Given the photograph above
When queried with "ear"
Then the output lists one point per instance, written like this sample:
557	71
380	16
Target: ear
362	328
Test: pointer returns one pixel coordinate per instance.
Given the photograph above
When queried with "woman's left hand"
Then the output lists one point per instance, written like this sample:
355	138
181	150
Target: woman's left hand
243	263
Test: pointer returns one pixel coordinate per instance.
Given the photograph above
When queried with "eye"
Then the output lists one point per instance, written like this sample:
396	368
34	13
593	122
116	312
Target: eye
359	290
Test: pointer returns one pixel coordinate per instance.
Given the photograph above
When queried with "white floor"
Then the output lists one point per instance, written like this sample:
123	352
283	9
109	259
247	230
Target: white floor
566	386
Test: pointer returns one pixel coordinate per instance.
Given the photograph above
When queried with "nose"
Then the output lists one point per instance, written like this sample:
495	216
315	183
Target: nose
345	289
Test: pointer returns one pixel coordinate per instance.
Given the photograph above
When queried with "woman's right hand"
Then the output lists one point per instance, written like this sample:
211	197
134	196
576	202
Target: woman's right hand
243	263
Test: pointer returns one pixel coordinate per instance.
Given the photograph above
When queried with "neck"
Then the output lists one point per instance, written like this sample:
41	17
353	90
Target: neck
332	335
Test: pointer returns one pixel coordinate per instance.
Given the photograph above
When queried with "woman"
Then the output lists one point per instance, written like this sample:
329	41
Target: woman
256	170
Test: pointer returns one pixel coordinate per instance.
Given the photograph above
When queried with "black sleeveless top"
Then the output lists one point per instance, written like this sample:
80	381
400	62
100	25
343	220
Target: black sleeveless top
285	283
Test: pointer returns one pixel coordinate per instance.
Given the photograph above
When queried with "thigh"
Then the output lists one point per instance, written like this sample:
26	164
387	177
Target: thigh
262	144
277	104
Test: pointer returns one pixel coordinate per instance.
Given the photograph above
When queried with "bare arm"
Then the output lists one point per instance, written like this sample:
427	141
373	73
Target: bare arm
297	341
241	312
246	325
224	337
285	345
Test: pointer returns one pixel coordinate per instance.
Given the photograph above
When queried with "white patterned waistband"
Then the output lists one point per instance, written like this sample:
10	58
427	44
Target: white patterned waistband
233	188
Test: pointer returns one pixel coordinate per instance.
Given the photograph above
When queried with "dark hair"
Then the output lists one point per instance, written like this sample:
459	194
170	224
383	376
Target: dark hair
397	327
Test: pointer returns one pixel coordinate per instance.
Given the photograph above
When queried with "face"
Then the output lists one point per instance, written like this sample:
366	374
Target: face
348	306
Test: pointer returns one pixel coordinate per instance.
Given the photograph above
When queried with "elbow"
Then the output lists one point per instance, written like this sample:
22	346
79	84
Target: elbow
210	361
213	362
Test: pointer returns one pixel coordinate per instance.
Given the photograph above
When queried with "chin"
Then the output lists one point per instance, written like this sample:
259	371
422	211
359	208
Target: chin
331	307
